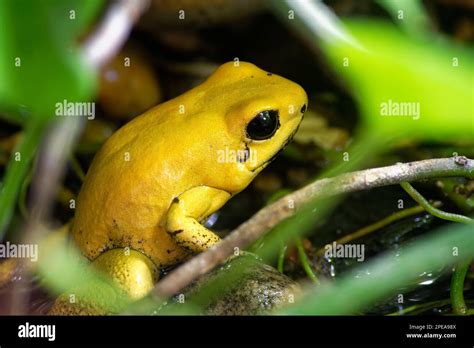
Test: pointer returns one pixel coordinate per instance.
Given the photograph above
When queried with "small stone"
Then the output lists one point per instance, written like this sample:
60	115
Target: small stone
259	288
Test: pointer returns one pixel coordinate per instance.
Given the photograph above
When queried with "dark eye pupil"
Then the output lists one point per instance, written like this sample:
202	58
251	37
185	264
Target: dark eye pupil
264	125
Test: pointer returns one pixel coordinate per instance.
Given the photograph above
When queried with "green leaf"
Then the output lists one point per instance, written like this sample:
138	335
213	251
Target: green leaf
40	63
410	15
437	76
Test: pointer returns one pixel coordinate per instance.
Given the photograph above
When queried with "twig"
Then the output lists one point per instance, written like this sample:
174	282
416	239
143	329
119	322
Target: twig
113	31
285	207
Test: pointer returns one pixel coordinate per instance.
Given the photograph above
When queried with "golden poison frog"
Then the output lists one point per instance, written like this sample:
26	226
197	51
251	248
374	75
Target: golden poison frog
157	179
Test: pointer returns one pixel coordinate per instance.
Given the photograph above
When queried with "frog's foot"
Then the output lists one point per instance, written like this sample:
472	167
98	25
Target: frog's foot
132	274
186	212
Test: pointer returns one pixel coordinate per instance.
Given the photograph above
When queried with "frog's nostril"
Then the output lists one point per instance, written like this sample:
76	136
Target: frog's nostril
303	109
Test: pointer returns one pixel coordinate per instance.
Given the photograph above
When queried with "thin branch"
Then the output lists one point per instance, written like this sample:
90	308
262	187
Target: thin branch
113	31
287	206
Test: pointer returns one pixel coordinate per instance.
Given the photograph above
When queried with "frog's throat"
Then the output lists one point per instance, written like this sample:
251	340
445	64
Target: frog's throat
271	159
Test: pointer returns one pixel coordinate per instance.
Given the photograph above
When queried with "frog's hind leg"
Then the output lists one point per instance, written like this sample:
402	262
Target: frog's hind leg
130	270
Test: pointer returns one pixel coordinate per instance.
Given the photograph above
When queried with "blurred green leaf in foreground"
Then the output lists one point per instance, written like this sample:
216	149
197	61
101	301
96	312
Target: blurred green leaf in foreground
40	65
410	87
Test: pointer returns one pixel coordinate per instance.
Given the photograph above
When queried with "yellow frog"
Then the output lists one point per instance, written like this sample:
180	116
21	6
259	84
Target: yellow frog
161	175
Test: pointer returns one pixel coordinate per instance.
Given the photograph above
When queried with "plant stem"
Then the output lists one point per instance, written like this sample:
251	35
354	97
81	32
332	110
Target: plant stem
457	288
17	170
432	210
76	167
305	262
23	194
379	224
460	271
421	307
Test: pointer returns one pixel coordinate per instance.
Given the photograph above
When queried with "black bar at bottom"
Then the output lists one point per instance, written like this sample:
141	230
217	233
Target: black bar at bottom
217	330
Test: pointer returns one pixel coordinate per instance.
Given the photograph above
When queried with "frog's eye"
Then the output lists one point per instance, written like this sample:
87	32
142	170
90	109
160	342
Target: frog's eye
264	125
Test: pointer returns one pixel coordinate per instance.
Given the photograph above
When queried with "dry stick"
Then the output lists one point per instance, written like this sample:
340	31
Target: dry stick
287	206
102	45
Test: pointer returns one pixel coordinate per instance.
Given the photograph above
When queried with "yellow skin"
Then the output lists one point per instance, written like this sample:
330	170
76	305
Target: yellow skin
157	178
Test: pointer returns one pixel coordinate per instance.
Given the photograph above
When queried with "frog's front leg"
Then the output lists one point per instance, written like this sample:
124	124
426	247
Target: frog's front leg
186	213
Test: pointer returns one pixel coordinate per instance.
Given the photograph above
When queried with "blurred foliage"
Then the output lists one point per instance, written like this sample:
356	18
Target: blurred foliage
391	66
40	62
401	68
40	65
409	14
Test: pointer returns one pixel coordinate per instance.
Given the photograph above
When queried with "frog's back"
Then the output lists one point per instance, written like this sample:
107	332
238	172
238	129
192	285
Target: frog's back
128	189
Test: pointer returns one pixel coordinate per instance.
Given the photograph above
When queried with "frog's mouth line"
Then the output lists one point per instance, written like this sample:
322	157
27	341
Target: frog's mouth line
285	144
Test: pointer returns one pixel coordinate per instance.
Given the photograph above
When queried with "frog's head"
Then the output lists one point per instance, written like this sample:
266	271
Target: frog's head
264	116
